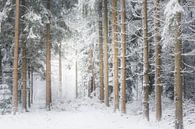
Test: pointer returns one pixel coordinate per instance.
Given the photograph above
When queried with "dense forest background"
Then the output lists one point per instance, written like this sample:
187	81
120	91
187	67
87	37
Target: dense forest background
112	48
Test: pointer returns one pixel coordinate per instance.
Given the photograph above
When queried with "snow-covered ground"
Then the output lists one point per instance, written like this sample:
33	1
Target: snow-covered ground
85	113
81	114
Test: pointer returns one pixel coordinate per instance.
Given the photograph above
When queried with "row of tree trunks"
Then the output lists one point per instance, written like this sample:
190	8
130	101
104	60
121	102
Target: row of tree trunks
104	76
178	66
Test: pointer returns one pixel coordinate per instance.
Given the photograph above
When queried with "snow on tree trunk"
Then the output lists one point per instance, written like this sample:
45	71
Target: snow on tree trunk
101	52
105	49
145	61
115	54
157	40
172	37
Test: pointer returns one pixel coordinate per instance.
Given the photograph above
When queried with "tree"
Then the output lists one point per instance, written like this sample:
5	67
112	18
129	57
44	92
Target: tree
24	63
15	65
101	52
145	61
76	74
123	17
48	60
157	40
60	69
115	54
178	75
105	52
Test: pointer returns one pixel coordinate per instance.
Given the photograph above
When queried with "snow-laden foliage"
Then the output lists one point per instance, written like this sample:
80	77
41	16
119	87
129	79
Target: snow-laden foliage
171	10
5	99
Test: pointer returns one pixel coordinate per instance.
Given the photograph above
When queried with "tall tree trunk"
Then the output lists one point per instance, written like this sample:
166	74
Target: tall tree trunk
0	64
31	85
60	69
105	52
157	40
123	17
178	75
48	62
145	61
24	63
115	54
101	53
15	65
76	74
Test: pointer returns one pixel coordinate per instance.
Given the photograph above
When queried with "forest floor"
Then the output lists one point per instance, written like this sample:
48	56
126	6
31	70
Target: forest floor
87	114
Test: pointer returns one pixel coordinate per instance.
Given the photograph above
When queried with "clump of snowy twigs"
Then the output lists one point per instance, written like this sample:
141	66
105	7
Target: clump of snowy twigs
171	10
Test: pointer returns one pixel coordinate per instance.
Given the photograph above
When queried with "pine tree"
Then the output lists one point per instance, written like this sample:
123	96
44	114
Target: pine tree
115	54
60	69
178	75
157	40
48	61
101	52
145	61
105	52
24	63
123	17
15	65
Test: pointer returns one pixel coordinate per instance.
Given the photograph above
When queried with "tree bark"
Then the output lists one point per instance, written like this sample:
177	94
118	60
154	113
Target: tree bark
48	63
145	61
101	53
157	40
15	65
60	69
115	54
31	85
24	63
123	17
178	75
105	52
0	64
76	74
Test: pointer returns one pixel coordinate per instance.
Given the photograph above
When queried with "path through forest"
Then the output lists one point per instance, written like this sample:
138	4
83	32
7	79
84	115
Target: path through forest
77	114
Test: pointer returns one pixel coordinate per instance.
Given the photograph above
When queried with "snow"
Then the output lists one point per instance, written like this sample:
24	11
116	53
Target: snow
81	114
86	113
172	8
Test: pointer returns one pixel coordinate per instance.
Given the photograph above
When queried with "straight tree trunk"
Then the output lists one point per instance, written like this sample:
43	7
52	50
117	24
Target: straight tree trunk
0	64
76	74
157	40
145	61
105	52
48	63
60	70
101	53
15	65
31	85
123	17
24	64
115	54
178	75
